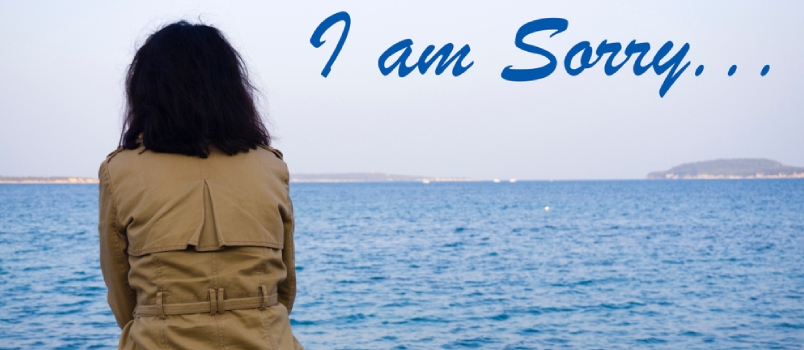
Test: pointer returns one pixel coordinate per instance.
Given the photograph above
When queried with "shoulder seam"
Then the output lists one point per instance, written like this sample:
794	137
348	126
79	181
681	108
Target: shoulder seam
114	153
275	151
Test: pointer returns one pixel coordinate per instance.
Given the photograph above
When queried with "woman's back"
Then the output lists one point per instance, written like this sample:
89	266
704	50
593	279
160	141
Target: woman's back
198	252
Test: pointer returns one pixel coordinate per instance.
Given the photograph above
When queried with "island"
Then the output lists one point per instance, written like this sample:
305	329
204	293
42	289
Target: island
743	168
46	180
372	177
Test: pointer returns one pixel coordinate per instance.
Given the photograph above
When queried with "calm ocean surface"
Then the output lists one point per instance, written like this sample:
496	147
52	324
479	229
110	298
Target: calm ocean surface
613	264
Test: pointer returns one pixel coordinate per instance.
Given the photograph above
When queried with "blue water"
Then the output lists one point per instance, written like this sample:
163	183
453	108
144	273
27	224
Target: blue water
613	264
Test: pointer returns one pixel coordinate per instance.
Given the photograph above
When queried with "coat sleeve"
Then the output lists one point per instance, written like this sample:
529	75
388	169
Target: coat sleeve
113	257
287	289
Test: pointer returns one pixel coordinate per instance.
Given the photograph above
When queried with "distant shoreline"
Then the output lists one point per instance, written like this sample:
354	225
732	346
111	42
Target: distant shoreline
348	178
46	180
427	180
371	177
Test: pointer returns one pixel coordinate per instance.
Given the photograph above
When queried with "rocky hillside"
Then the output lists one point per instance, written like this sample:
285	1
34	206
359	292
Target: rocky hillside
745	168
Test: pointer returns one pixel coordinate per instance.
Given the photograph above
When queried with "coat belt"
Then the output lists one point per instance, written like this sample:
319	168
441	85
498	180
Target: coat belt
216	304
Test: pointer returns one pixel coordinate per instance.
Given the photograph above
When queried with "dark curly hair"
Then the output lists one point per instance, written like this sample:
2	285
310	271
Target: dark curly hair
188	89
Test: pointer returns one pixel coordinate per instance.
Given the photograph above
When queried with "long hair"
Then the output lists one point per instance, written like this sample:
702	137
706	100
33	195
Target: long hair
188	89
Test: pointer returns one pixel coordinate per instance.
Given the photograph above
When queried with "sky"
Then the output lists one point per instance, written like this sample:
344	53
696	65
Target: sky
62	70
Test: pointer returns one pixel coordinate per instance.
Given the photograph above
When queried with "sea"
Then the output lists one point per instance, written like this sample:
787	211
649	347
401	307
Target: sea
699	264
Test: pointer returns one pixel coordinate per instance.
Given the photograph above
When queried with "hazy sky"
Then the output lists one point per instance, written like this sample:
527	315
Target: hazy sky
62	67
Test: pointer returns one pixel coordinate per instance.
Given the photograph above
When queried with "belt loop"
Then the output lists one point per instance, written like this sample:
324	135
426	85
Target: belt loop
264	293
220	301
213	302
160	310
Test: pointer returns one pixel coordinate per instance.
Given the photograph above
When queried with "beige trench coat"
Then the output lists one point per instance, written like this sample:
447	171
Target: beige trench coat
198	253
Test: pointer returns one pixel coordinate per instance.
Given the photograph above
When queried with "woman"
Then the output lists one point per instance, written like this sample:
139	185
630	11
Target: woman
196	223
